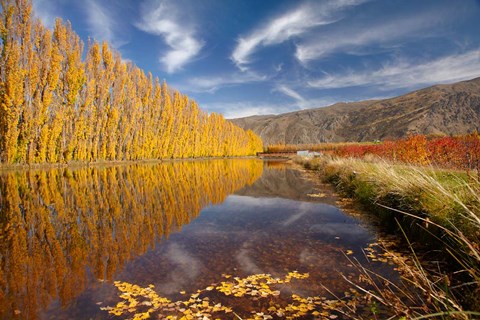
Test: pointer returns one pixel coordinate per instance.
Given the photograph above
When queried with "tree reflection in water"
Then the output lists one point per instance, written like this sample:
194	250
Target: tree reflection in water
62	229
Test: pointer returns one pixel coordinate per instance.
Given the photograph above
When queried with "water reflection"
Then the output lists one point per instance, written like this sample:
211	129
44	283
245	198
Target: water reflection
280	180
262	228
64	231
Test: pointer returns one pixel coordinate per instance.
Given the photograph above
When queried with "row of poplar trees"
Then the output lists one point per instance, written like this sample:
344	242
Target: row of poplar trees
57	107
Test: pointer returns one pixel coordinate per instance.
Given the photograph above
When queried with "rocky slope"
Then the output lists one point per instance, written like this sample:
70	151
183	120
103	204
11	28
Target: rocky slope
438	110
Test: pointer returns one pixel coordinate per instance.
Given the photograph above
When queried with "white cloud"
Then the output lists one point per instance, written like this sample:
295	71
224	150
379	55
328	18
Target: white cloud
389	32
245	260
285	27
186	268
289	92
247	201
212	84
162	19
279	67
232	110
45	10
303	210
405	74
101	21
315	103
102	25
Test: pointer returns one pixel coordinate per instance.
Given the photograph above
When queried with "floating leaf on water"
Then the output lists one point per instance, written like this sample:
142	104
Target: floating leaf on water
254	287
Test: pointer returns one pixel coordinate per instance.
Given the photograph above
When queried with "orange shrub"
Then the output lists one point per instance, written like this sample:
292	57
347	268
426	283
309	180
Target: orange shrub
458	152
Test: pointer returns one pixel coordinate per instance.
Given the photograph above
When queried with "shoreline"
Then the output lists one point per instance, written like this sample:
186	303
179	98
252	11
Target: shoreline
84	164
421	207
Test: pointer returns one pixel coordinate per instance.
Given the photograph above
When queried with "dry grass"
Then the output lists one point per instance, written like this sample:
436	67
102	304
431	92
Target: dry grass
442	205
447	198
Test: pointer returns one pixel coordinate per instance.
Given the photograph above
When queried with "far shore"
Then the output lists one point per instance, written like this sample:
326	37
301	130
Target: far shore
87	164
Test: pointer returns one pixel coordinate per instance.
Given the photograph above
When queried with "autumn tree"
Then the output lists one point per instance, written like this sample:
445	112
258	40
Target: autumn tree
57	107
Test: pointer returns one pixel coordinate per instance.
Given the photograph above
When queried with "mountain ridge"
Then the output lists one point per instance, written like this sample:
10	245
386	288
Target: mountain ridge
444	109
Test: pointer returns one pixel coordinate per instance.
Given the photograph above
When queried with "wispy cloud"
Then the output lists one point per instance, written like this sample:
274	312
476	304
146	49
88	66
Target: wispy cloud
313	103
303	210
163	19
245	260
186	269
357	37
103	25
289	92
405	74
287	26
232	110
214	83
46	11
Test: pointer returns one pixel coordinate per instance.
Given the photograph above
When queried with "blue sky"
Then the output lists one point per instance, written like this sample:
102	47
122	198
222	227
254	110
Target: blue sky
246	57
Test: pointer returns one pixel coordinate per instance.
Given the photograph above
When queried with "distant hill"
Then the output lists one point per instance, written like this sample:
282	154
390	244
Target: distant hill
438	110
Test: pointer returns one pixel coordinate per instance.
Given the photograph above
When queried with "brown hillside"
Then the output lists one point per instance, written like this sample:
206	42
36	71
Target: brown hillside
442	109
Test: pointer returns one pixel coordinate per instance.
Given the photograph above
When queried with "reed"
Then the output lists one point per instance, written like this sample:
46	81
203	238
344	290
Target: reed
435	207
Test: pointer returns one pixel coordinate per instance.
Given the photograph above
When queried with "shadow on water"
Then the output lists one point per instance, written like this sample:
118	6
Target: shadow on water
67	234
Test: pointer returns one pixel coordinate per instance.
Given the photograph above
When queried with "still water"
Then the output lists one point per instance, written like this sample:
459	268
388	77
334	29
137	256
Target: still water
178	227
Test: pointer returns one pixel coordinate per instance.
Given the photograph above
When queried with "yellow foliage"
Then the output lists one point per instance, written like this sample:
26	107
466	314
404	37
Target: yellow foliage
200	305
57	108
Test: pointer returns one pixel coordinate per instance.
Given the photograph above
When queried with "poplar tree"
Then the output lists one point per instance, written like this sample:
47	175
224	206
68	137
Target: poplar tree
57	107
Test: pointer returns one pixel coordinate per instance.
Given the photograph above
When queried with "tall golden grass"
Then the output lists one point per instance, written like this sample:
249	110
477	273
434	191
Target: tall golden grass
425	203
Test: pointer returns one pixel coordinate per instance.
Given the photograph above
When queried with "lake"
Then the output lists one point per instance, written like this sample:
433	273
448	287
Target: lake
224	237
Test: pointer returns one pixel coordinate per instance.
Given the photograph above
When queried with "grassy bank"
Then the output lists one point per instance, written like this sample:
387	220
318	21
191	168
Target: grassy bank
438	209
